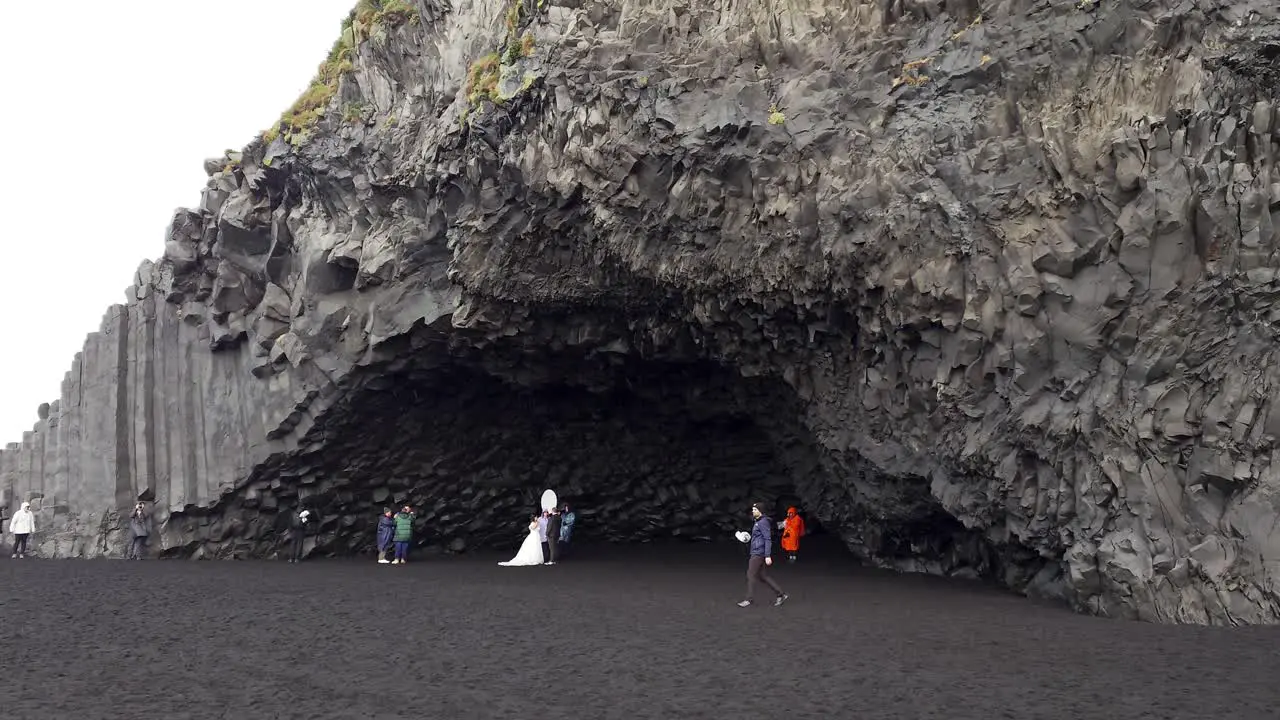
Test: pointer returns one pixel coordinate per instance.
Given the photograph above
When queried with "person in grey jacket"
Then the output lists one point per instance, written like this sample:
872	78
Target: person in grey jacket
761	557
140	527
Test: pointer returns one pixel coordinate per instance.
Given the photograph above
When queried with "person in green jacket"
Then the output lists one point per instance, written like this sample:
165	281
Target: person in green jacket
403	535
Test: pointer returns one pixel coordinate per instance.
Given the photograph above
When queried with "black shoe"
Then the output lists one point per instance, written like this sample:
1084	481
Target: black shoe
781	599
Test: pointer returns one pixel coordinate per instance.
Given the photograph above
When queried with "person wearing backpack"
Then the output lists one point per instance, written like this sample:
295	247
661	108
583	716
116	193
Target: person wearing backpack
403	534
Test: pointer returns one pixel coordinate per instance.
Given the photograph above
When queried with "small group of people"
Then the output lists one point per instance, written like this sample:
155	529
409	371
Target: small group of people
395	530
549	535
23	524
548	538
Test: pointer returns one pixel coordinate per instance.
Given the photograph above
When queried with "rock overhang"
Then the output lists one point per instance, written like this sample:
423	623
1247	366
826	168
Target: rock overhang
1015	322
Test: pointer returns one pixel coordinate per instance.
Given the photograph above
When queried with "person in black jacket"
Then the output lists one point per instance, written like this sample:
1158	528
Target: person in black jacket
553	534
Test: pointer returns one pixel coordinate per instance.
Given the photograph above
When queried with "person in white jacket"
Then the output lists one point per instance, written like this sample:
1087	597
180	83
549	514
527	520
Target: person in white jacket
22	524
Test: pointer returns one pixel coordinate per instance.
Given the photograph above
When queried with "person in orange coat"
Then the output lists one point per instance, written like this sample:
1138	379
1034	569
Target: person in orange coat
792	529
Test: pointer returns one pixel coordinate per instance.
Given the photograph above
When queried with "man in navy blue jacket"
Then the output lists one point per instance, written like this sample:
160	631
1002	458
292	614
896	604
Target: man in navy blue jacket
761	556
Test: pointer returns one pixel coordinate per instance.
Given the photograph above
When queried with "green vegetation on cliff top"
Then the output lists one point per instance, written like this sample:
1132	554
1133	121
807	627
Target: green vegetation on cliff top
363	21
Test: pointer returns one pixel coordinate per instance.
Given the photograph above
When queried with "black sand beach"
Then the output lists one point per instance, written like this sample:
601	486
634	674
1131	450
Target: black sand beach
639	632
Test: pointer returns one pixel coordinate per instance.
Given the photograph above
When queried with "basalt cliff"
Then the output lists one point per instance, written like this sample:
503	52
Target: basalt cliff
989	288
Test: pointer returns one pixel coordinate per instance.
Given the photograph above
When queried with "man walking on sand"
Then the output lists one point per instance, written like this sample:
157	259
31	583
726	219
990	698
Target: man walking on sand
761	540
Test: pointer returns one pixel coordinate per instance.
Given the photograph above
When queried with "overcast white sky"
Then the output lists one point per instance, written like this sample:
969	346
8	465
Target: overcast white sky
110	109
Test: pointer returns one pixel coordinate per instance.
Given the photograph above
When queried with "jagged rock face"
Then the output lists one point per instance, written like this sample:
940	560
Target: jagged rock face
988	287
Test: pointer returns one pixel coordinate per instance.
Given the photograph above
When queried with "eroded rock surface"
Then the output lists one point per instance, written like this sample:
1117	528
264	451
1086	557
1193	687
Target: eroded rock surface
990	287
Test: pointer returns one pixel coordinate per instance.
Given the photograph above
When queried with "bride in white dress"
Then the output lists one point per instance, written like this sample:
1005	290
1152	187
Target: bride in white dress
530	552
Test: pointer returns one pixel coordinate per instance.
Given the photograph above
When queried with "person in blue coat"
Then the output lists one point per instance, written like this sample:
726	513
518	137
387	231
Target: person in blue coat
567	519
761	557
386	533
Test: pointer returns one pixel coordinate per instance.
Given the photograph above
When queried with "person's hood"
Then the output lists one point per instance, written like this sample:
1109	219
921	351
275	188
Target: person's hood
26	506
792	511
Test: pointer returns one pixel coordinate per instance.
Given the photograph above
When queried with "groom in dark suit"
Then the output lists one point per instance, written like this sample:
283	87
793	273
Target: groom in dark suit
553	534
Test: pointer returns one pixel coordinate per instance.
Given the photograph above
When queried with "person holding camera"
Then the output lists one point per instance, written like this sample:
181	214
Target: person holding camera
403	534
298	523
792	530
140	527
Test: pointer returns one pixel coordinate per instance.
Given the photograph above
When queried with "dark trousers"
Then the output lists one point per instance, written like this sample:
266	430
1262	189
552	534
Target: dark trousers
138	547
295	547
552	549
20	544
756	572
402	549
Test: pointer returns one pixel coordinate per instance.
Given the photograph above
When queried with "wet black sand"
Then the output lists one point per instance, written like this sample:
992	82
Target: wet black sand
645	632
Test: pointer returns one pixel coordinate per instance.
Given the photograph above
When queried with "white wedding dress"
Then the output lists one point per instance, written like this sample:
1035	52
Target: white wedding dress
530	552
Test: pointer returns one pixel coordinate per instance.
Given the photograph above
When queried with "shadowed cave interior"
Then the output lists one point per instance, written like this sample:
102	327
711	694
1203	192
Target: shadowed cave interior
642	450
667	451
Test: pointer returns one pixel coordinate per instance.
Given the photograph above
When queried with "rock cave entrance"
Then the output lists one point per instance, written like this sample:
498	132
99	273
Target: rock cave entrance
643	448
648	451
